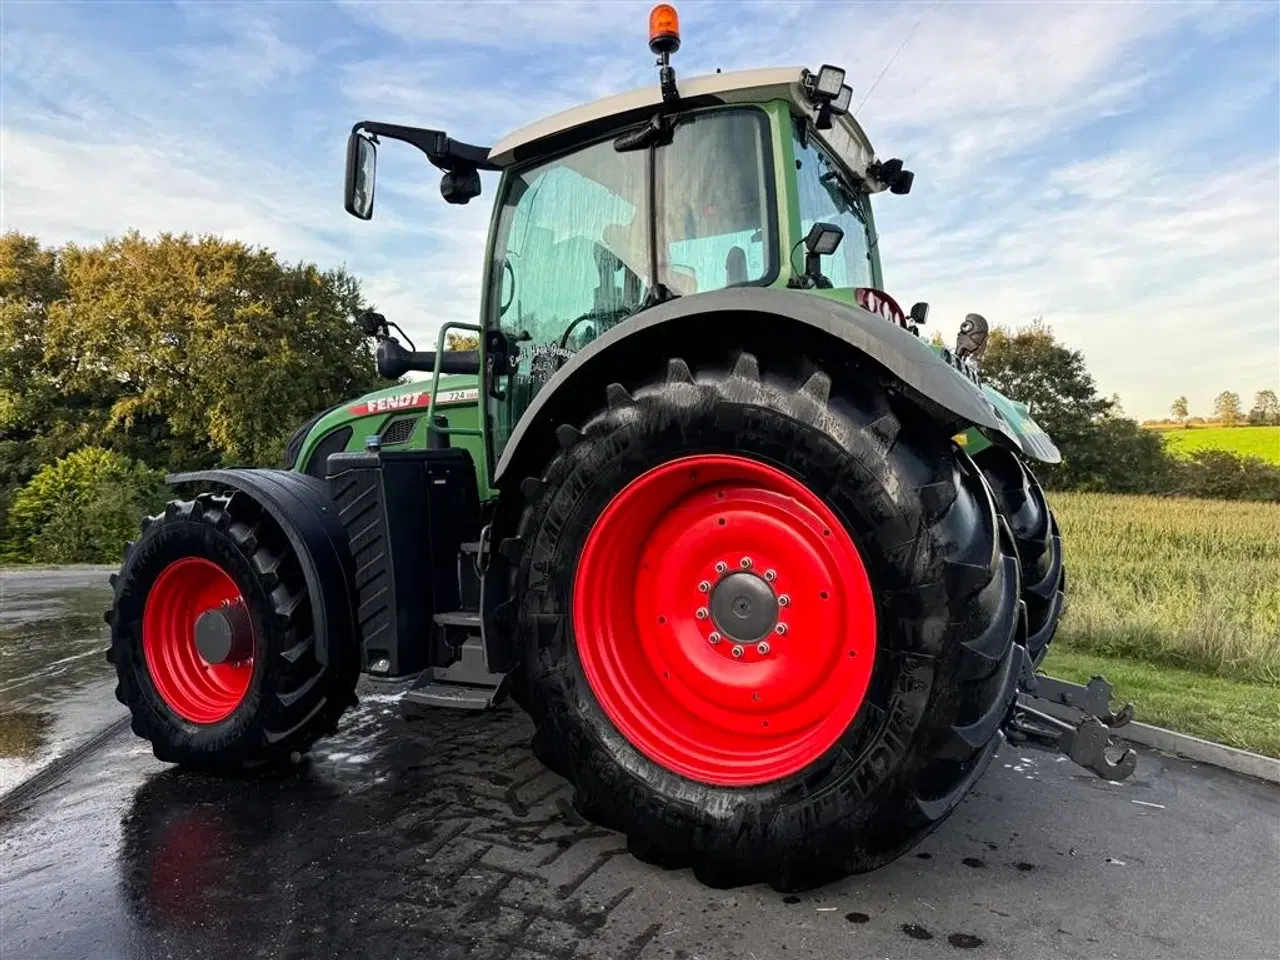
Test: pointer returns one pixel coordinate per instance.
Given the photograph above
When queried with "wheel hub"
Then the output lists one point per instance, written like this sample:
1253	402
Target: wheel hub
724	619
198	640
744	607
224	634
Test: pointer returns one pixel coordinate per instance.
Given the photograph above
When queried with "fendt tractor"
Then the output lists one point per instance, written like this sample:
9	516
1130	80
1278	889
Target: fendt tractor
770	574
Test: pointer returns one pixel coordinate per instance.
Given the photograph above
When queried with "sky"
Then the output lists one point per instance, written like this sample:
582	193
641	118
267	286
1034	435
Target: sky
1112	168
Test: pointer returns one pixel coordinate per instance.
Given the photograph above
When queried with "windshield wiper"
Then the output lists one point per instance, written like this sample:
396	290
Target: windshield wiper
656	133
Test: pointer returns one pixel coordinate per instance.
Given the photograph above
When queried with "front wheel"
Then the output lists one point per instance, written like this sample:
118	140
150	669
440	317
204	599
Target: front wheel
213	640
768	628
1021	501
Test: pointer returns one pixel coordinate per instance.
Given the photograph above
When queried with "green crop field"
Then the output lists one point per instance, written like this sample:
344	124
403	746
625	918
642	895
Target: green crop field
1187	587
1261	442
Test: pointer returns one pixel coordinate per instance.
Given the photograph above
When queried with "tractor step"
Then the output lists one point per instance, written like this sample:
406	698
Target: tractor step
470	619
466	684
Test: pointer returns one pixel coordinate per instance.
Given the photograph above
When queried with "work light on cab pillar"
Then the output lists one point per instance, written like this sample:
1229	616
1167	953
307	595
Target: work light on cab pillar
664	40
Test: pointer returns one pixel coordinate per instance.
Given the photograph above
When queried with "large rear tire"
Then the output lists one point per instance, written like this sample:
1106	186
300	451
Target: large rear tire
1022	502
856	730
223	563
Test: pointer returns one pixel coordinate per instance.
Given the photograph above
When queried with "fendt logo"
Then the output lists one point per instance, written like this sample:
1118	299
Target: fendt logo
412	401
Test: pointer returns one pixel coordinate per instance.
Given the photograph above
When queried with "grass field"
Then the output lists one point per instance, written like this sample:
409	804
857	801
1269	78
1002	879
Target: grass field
1180	600
1260	442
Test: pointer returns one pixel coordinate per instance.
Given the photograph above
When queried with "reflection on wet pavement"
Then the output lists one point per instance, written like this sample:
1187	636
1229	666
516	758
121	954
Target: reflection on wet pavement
438	835
55	683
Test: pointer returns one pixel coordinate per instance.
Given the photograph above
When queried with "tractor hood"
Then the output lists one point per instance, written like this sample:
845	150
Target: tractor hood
347	425
414	395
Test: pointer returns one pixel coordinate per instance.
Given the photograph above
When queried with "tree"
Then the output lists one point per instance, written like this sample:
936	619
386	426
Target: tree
177	351
1226	407
1266	409
1101	449
1180	410
81	508
462	341
41	416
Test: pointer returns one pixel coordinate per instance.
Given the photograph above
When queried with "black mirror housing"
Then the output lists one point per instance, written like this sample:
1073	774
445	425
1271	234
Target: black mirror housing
362	166
919	313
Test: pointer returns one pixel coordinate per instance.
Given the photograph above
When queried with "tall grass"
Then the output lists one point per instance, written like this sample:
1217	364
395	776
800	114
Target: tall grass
1186	583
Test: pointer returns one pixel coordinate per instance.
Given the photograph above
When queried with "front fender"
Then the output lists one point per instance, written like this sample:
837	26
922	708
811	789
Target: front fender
301	507
776	318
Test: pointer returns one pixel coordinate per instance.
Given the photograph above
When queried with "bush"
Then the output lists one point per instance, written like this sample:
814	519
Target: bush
1223	475
81	508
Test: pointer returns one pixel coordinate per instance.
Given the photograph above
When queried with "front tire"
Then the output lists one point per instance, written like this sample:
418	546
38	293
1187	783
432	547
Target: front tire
266	697
1022	502
885	699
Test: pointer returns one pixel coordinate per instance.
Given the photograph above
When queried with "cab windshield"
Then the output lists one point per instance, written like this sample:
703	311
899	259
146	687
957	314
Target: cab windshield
578	248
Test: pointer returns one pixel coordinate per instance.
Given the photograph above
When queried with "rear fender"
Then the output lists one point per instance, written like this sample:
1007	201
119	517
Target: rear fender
772	323
300	505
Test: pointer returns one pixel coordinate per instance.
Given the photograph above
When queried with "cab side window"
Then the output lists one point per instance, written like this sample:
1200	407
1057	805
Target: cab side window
825	196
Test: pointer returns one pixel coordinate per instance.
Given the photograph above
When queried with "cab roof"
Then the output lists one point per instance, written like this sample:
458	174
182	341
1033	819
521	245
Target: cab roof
561	130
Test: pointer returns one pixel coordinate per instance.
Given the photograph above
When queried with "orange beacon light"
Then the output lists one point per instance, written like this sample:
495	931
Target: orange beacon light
664	29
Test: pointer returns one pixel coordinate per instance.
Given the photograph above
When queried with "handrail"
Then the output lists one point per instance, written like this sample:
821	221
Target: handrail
435	380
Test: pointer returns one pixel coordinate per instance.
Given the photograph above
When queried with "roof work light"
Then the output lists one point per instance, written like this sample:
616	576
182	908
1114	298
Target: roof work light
827	92
829	81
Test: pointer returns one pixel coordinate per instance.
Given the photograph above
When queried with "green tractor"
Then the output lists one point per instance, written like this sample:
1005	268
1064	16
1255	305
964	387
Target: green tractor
768	572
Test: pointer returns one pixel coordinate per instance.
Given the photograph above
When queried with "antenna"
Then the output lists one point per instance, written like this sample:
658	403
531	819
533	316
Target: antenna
910	33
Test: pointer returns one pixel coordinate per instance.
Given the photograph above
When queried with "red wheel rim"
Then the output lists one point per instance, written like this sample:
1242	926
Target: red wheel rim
194	689
649	592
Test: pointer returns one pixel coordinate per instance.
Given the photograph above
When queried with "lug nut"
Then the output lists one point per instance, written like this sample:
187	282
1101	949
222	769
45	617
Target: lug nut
771	575
721	567
737	650
763	648
701	613
780	629
784	600
704	586
713	638
745	563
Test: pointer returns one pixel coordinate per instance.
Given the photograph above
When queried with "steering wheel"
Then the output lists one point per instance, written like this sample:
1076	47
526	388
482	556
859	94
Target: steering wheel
599	316
879	302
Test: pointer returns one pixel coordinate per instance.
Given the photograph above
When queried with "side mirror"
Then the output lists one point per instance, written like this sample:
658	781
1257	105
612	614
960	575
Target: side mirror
362	166
919	313
460	184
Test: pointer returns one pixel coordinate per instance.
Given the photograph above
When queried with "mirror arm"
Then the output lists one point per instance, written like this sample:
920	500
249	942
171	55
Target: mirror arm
441	150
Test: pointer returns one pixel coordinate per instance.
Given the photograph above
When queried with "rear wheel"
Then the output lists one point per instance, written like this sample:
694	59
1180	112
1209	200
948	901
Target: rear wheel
1021	501
213	640
768	629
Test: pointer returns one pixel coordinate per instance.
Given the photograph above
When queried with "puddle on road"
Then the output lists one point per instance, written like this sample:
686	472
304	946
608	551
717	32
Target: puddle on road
55	683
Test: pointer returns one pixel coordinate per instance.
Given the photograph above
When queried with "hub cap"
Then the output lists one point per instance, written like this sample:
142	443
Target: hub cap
197	639
724	620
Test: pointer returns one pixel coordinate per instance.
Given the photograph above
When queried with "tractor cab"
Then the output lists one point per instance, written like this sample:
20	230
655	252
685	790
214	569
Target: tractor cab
732	181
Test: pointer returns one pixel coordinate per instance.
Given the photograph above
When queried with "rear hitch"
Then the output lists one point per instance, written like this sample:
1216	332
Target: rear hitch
1084	740
1092	699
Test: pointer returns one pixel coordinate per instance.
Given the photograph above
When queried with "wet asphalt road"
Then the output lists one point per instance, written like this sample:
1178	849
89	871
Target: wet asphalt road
55	684
438	835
